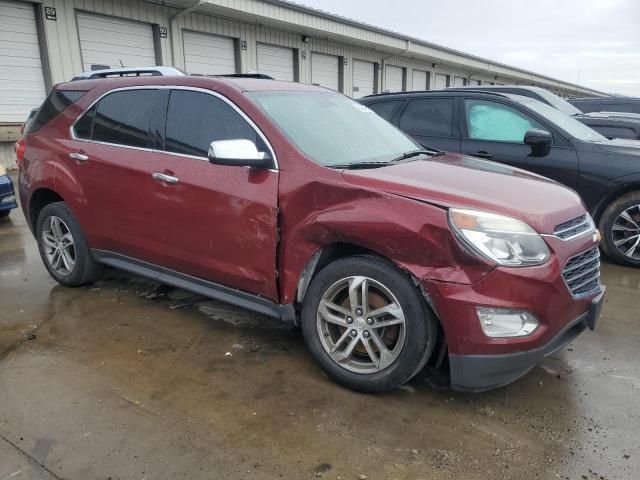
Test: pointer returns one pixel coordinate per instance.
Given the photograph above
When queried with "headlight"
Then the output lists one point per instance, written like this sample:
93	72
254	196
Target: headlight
504	240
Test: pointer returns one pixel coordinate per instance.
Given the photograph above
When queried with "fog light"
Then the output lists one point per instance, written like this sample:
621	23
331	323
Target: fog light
8	199
497	322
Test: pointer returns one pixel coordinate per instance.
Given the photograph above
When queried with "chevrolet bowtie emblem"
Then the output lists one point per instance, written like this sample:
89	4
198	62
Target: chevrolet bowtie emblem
597	237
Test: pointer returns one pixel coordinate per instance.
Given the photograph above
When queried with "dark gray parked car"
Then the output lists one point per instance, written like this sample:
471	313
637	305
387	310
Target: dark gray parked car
607	104
526	133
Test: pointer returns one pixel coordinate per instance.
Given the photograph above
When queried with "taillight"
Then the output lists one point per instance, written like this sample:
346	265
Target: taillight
20	146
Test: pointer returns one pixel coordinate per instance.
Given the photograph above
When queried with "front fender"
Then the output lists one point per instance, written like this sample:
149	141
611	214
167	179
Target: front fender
413	235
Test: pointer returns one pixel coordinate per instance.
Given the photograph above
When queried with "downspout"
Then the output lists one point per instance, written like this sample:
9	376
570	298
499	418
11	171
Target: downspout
382	80
174	26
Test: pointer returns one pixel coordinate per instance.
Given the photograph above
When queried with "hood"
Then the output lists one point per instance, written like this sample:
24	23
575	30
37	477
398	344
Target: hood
460	181
620	146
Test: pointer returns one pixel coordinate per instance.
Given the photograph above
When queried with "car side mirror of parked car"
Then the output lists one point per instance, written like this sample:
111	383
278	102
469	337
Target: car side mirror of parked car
238	153
537	138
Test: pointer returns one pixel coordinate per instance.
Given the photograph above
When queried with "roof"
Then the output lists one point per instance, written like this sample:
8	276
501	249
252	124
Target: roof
419	93
242	84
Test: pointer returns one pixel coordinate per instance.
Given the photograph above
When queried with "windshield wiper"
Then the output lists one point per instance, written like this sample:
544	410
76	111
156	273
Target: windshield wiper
356	166
415	153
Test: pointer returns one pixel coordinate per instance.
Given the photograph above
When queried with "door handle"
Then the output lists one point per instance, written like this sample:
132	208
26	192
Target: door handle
81	157
483	154
163	177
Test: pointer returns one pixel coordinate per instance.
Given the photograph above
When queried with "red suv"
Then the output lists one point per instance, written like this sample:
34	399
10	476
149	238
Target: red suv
296	202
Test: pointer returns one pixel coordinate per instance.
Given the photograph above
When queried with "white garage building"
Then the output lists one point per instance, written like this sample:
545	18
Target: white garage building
47	42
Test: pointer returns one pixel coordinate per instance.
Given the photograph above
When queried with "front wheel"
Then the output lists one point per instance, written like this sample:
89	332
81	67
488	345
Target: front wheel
620	227
367	325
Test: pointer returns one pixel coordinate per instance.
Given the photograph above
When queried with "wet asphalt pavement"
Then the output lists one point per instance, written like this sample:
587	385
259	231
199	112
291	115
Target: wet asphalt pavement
121	380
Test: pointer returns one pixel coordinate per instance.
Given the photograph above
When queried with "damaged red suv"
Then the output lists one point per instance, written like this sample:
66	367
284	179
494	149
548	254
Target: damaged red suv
296	202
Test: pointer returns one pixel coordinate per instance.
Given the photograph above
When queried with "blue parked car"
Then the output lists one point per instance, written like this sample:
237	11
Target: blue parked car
7	194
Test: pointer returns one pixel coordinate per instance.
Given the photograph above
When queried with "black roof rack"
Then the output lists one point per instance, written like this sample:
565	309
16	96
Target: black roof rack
451	89
129	72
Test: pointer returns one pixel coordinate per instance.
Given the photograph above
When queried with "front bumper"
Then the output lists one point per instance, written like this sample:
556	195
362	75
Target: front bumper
7	191
479	362
477	373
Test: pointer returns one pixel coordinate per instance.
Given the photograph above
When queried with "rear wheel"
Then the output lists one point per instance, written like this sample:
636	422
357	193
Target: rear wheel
620	226
367	325
63	247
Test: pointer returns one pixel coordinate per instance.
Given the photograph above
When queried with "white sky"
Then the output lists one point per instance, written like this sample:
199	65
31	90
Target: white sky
597	40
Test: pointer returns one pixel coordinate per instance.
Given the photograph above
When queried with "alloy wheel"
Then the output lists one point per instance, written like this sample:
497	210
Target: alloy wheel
59	247
625	232
361	325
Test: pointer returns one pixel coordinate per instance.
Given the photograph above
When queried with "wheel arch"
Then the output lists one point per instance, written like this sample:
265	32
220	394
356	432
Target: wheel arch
40	198
337	250
612	197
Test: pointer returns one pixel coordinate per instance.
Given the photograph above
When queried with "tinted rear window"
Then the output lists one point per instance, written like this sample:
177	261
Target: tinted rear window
428	117
56	102
123	117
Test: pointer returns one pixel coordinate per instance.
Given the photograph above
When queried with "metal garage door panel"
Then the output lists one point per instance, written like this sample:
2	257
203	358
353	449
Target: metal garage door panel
363	78
115	41
392	79
441	81
207	54
419	80
276	62
21	81
325	70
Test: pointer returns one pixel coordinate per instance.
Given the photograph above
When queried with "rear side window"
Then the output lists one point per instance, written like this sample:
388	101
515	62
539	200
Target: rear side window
56	102
195	119
431	117
84	127
385	109
123	118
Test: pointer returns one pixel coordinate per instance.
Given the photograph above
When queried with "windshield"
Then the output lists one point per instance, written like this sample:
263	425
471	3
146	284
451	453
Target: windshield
332	129
559	103
569	124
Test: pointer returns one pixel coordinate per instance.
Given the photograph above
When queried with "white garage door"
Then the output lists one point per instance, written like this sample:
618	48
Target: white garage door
21	82
114	42
441	81
458	81
207	54
363	78
325	70
392	78
276	62
419	80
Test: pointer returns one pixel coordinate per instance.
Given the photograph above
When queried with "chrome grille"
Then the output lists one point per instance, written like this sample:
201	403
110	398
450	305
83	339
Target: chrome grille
573	228
582	273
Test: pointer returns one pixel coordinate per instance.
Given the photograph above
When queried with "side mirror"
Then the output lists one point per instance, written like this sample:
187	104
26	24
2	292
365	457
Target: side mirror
537	138
238	153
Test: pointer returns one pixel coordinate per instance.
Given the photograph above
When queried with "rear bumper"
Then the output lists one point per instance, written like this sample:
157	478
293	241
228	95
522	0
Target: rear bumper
477	373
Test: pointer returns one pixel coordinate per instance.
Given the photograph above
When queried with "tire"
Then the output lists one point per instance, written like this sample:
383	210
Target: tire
620	224
4	213
77	267
409	342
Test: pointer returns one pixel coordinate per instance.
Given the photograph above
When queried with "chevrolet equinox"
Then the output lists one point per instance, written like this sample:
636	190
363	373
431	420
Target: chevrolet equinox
296	202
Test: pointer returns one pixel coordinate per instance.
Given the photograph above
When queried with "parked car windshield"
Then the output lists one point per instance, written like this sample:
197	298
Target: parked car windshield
558	103
565	122
332	129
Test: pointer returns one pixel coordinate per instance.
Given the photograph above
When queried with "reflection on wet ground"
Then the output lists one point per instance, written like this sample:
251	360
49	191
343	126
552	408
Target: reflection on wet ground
125	380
